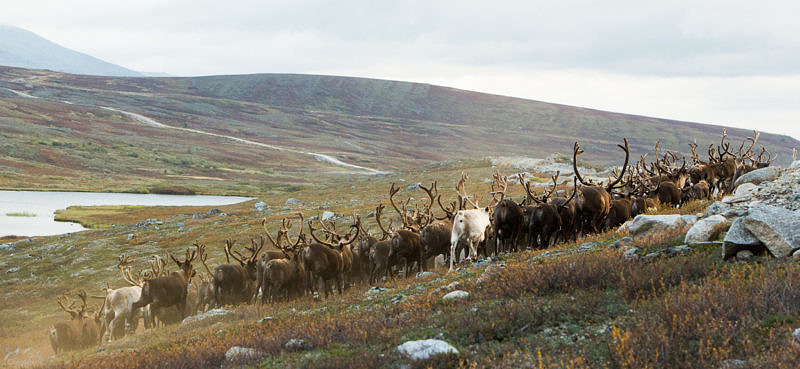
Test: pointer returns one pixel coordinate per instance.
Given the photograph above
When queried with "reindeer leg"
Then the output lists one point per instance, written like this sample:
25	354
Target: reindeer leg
453	247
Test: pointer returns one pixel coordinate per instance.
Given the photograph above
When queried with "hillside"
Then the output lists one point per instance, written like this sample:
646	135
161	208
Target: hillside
583	304
22	48
297	126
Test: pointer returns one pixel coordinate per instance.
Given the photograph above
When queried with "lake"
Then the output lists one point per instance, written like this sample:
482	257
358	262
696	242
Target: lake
32	213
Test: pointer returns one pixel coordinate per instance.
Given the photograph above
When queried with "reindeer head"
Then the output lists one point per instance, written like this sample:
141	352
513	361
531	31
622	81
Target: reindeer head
185	266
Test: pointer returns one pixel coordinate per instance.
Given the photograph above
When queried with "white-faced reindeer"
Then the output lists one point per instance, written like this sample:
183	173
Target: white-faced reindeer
118	311
469	226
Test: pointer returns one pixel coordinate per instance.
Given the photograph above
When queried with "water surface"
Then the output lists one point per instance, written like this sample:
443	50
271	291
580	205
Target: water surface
42	205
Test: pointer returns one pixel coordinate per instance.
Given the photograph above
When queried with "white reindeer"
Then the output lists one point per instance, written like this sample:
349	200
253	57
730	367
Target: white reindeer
468	225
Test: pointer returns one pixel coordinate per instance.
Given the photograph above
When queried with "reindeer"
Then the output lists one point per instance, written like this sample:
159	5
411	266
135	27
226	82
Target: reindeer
236	283
406	242
545	219
205	289
286	275
435	237
379	261
508	217
171	290
361	265
323	260
468	225
118	309
81	331
594	201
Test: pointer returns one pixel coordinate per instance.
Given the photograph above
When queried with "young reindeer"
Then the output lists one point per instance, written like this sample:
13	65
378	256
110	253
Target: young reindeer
594	201
469	226
167	291
236	283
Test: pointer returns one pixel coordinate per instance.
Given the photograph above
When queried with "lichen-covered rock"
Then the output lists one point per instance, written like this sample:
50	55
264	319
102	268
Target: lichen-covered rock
425	349
745	189
758	176
455	295
739	238
704	230
238	354
643	224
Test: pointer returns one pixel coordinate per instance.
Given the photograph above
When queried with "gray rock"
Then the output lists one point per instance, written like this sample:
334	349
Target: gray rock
732	364
296	344
758	176
206	315
795	164
8	246
645	224
775	227
744	255
424	274
622	242
375	290
413	186
425	349
291	201
265	319
739	238
131	236
796	337
632	253
587	246
690	219
718	207
198	216
677	250
744	189
12	270
796	255
213	211
702	230
237	354
328	215
261	206
455	295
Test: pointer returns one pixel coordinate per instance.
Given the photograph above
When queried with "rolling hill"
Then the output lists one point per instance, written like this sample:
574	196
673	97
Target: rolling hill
22	48
245	133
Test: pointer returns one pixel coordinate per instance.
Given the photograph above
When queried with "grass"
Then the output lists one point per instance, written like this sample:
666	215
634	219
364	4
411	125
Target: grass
21	214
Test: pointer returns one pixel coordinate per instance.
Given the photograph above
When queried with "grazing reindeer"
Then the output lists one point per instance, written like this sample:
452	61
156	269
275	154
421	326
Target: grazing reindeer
81	331
594	201
469	226
236	283
167	291
507	219
323	260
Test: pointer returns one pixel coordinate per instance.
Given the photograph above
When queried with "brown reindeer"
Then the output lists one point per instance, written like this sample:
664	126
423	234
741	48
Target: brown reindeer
435	237
379	262
81	331
323	260
236	283
205	289
507	217
594	201
167	291
285	276
545	219
406	242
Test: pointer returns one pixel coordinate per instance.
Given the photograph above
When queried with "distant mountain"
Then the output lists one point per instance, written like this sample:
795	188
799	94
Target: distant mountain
290	128
22	48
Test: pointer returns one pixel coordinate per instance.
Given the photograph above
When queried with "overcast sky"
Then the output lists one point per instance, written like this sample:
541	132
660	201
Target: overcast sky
726	62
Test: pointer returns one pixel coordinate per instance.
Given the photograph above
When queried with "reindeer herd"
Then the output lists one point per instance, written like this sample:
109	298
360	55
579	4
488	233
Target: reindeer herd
293	266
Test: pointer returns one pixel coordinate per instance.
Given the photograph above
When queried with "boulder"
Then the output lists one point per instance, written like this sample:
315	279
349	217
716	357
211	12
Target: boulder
261	206
644	223
704	229
622	242
295	344
328	215
238	354
632	253
718	207
765	226
690	219
424	349
455	295
739	238
206	315
745	189
291	201
758	176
